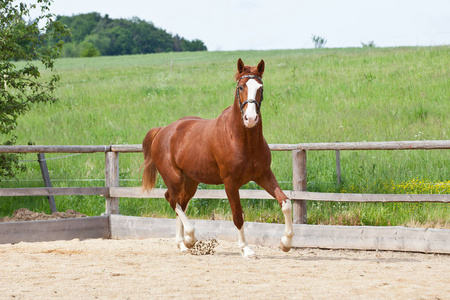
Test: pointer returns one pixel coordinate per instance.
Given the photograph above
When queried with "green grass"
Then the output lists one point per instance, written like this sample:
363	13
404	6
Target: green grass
320	95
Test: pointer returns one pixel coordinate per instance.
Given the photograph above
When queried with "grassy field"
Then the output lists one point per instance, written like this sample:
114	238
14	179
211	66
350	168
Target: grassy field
321	95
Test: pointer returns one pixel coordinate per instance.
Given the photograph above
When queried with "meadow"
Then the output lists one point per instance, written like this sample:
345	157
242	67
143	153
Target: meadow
318	95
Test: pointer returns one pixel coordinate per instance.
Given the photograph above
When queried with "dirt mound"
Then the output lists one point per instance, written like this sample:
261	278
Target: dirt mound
204	247
24	214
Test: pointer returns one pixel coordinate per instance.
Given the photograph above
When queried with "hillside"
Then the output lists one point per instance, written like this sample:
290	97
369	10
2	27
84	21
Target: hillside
94	35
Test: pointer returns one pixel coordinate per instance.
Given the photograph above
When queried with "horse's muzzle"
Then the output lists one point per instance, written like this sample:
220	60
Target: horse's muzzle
250	115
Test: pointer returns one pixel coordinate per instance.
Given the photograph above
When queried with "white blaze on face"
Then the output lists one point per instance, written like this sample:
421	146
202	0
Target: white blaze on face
251	114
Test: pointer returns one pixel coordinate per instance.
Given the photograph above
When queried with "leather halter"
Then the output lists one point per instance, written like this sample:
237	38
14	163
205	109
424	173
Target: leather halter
241	105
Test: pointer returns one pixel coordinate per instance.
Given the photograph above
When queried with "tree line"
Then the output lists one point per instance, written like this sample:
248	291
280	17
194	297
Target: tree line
95	35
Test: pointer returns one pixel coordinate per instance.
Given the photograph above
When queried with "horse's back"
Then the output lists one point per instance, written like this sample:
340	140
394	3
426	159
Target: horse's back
186	145
188	128
189	118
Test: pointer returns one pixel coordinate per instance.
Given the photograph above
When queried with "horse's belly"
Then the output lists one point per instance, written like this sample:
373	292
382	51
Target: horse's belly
208	179
202	170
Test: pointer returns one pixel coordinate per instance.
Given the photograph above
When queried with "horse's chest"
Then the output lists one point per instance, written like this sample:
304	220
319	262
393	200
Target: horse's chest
248	165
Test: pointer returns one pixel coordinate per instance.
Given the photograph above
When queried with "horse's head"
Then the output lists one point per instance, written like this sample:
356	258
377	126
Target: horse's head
249	92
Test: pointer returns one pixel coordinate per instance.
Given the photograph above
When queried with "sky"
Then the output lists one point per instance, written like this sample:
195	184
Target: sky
229	25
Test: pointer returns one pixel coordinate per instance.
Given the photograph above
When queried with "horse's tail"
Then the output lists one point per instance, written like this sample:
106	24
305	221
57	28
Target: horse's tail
150	172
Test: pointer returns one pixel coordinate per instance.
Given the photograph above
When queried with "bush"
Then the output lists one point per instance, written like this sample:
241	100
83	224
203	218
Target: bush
88	50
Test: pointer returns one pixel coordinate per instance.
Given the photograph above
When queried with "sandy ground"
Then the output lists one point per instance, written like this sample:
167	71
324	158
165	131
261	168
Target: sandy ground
154	269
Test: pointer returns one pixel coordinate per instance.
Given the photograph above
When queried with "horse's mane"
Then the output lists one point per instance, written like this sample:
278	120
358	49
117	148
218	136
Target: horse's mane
248	70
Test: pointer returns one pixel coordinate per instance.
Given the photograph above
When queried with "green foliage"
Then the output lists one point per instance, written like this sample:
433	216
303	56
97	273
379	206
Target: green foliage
319	42
120	37
9	163
370	44
89	50
71	50
22	86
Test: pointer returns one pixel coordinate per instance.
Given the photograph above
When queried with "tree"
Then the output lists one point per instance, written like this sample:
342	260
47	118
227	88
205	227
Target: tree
370	44
34	41
319	42
89	50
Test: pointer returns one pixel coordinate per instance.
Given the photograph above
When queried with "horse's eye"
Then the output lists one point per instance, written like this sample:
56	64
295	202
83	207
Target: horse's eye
241	88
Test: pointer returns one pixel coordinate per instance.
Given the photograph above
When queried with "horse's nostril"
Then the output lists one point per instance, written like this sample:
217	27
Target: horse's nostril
245	117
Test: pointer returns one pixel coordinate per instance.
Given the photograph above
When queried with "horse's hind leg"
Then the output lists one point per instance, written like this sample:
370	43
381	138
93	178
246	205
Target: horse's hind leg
185	229
185	237
179	237
185	232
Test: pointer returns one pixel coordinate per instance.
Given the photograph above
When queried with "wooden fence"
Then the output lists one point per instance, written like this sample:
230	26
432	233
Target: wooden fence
112	190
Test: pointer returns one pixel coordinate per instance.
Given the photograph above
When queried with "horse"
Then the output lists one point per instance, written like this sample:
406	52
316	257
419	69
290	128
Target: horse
228	150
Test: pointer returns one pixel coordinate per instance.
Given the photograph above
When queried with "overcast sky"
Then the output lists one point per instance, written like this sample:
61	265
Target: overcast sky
284	24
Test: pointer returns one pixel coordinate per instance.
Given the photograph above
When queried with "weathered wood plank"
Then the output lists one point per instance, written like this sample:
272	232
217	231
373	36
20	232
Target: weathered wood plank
52	230
299	179
125	227
127	148
54	149
445	198
84	191
374	238
314	236
47	181
135	192
402	145
111	180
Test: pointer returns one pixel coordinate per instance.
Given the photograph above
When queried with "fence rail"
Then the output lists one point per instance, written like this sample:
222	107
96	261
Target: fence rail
54	149
112	191
404	145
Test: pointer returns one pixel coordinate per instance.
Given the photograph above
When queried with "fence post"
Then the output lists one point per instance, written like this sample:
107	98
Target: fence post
338	166
299	184
47	181
111	180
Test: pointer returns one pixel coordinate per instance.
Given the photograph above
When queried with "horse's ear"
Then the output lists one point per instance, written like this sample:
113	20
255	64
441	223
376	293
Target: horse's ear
240	66
261	66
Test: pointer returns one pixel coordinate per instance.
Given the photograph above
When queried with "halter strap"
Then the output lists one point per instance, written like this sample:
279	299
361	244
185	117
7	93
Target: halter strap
241	105
250	76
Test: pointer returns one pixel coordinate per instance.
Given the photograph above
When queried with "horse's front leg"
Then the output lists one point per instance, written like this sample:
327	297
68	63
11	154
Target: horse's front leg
270	184
238	219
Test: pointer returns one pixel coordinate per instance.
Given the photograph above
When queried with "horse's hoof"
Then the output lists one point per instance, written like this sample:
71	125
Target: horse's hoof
183	248
248	253
251	256
185	251
284	248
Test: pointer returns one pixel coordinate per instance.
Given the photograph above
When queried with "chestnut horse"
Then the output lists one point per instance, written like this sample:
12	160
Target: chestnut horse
229	150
